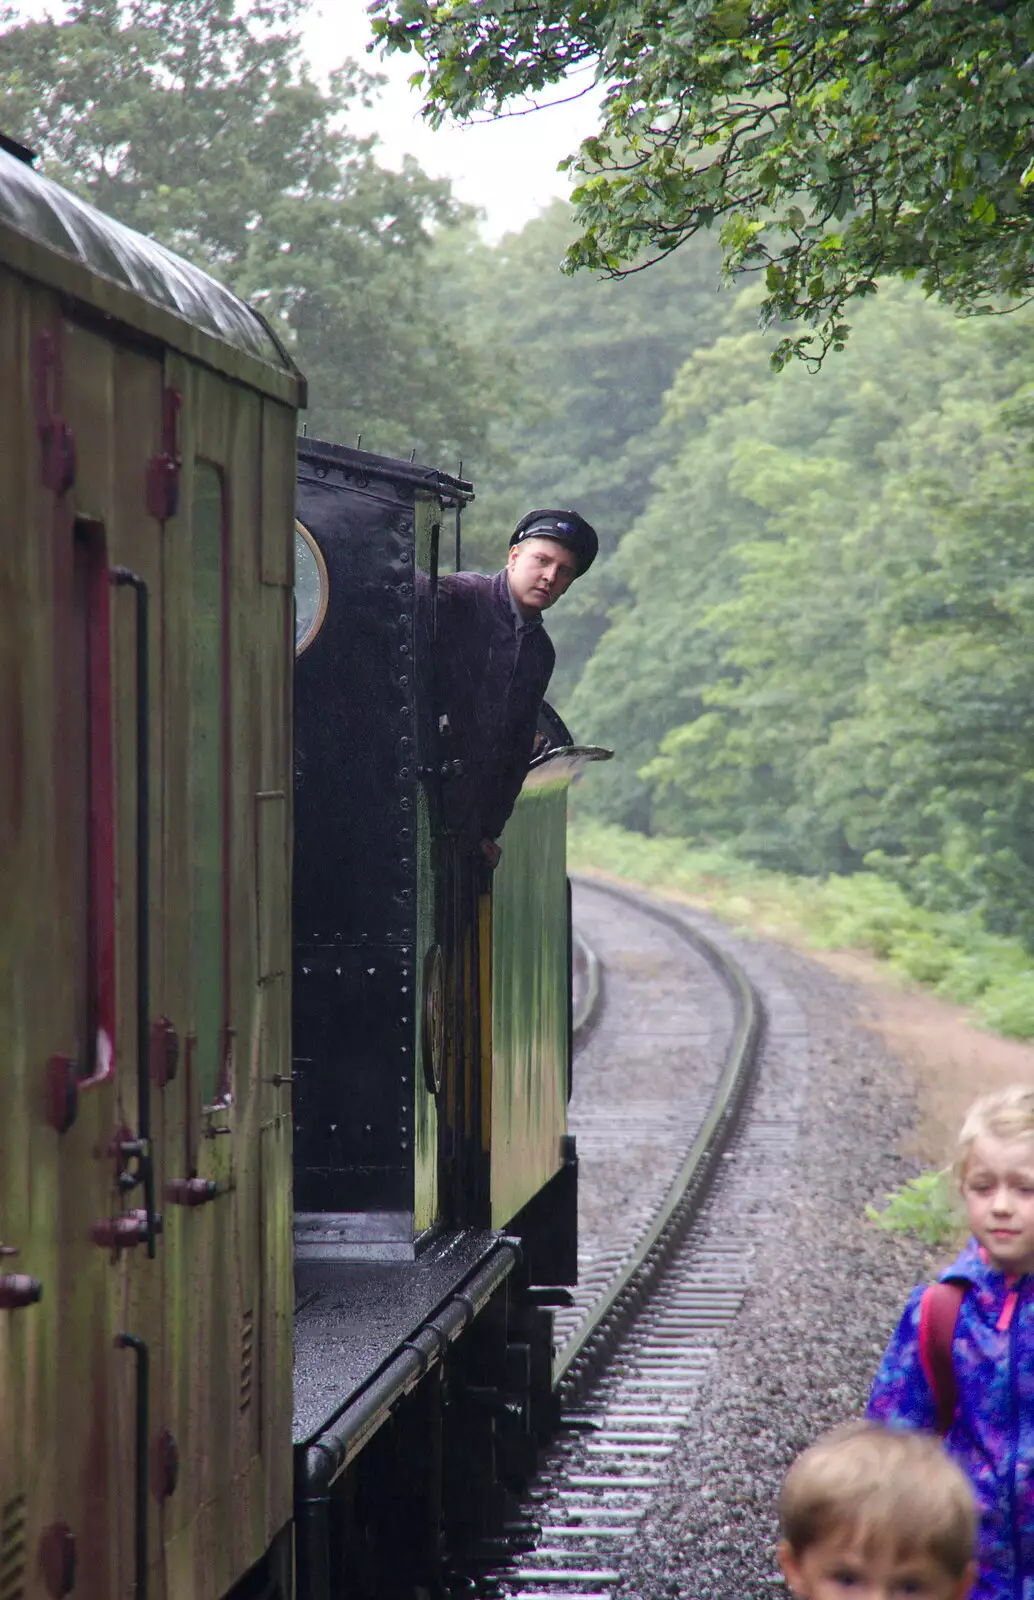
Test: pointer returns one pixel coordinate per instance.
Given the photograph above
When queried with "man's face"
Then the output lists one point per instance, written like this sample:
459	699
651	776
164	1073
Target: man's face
540	571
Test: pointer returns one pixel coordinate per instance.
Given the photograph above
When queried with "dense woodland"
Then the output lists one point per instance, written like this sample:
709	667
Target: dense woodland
810	637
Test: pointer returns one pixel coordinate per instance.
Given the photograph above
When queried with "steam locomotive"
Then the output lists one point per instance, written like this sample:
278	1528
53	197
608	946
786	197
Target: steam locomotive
282	1215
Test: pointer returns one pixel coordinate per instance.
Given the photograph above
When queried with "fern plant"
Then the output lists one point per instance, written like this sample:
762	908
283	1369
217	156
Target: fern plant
925	1207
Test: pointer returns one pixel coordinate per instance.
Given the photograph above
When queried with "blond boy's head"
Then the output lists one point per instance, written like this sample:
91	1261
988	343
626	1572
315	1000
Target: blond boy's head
1003	1114
879	1511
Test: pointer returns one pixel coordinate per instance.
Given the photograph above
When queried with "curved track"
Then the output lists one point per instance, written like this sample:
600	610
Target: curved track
664	1061
663	1070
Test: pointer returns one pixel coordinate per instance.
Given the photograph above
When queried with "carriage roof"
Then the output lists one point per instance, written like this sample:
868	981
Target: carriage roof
36	209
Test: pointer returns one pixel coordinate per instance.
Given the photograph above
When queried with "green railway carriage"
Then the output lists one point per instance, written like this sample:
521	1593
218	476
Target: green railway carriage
240	1124
146	486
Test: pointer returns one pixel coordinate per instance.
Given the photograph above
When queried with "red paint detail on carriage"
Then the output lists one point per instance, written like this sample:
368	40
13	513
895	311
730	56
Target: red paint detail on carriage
229	1035
102	817
17	1291
165	1465
162	486
57	441
57	447
57	1559
116	1146
60	1093
123	1232
190	1191
164	1052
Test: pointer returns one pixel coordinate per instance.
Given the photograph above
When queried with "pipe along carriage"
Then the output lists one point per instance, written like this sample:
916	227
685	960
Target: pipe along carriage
224	1146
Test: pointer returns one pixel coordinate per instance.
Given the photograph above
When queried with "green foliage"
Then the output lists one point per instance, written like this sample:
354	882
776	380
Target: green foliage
1009	1007
828	144
825	656
950	952
810	633
925	1207
196	121
585	365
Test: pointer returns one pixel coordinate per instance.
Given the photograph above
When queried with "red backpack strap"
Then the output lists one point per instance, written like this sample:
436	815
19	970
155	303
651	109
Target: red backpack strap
938	1314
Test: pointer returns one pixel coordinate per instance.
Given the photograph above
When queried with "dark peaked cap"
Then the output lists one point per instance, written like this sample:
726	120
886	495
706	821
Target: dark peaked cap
566	527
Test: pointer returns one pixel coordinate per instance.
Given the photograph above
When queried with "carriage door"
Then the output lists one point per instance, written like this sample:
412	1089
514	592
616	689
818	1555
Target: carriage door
225	807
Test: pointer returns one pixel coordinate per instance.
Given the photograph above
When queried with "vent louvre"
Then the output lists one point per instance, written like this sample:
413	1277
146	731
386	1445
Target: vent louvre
12	1549
247	1358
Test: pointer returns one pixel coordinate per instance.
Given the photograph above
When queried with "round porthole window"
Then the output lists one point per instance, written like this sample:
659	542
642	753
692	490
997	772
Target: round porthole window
311	588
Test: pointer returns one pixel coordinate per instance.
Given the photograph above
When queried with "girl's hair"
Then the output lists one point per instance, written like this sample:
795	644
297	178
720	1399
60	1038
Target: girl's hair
1005	1113
889	1487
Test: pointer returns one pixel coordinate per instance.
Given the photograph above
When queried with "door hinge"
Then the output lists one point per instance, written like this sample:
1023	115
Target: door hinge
56	439
163	470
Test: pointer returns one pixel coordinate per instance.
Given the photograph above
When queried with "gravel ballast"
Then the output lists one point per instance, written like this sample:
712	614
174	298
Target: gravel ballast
825	1287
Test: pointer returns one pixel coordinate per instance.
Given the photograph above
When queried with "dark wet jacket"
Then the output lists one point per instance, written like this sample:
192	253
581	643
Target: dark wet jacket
490	677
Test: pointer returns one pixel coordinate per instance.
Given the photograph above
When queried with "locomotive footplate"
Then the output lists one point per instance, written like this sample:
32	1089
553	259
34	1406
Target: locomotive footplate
415	1353
356	1322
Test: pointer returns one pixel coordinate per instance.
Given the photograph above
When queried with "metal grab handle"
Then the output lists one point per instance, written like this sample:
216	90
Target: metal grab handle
122	577
129	1341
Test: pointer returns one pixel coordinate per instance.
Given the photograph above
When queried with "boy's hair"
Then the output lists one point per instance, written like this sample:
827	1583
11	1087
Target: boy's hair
885	1486
1005	1113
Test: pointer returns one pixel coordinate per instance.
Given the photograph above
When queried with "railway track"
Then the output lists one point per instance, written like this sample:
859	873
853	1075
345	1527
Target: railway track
663	1073
658	1088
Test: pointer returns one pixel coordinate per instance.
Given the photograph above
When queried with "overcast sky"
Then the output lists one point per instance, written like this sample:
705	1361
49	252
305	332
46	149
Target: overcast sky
507	167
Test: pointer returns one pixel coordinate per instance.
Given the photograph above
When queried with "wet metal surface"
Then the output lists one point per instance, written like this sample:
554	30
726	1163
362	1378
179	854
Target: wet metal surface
33	205
351	1317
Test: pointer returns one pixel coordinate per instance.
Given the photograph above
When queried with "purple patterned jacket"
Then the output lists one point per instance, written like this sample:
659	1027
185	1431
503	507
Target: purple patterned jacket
992	1434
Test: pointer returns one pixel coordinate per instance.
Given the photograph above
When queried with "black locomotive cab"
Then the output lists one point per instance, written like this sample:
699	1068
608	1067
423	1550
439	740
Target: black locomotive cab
368	986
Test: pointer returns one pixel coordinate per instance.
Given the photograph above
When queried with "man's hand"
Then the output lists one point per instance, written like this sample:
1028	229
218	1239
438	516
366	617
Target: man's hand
490	852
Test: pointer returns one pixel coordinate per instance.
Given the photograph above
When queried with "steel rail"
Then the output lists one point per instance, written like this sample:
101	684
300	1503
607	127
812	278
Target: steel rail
591	1343
585	1015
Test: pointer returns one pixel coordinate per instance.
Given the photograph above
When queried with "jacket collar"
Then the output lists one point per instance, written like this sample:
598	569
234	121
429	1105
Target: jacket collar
972	1267
503	596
